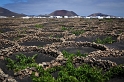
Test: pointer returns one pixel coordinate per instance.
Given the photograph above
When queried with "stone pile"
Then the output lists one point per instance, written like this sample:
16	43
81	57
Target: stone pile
26	72
104	64
121	37
4	42
14	34
17	48
36	38
107	53
98	33
77	44
46	34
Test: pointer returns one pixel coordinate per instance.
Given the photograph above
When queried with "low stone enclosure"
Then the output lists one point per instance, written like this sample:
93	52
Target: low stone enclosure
57	35
58	59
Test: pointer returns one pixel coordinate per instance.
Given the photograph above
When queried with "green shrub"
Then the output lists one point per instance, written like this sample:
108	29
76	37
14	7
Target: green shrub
39	26
64	28
108	40
83	73
21	62
67	72
70	55
117	71
78	32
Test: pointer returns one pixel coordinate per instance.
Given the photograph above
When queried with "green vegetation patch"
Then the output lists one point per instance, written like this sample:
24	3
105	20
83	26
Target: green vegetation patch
78	32
39	26
106	40
66	73
117	71
64	28
70	55
69	73
82	73
21	62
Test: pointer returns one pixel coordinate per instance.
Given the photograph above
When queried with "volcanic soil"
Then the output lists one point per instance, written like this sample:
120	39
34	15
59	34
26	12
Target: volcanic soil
49	37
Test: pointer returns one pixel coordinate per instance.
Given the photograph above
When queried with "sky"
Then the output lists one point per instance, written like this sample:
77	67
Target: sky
80	7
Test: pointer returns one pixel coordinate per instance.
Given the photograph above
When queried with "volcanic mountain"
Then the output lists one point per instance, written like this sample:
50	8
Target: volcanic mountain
63	13
8	13
99	14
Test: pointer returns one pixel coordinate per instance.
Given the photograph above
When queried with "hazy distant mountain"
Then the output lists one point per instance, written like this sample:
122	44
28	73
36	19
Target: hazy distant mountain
6	12
99	14
63	13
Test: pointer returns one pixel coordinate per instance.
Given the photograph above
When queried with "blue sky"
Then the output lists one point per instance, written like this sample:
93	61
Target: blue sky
81	7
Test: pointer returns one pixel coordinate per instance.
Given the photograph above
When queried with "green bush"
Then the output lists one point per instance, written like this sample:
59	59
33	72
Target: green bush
64	28
70	55
108	40
117	71
67	72
78	32
39	26
82	73
21	62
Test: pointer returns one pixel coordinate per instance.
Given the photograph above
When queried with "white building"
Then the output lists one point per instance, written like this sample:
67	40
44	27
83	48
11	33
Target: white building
100	17
66	17
3	17
87	17
79	17
51	17
58	17
108	16
26	17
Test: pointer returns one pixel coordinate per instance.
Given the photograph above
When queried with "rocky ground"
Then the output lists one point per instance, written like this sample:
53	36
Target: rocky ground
49	37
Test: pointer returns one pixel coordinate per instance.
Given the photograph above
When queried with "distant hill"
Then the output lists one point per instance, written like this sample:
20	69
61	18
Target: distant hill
63	13
8	13
99	14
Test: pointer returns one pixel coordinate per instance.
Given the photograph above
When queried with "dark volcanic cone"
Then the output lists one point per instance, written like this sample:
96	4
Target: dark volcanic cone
63	13
6	12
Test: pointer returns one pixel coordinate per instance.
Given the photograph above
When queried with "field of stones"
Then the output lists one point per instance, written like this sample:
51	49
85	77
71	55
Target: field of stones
61	50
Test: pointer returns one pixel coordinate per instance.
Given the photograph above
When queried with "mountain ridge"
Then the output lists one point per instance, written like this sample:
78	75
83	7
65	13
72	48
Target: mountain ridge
63	13
8	13
99	14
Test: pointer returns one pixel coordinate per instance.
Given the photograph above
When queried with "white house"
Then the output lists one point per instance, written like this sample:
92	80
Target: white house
43	17
3	17
58	17
66	17
108	17
87	17
26	17
13	16
100	17
78	16
51	17
55	16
